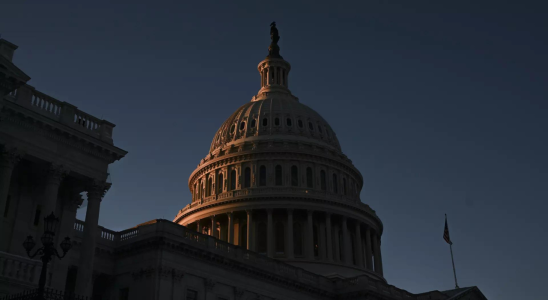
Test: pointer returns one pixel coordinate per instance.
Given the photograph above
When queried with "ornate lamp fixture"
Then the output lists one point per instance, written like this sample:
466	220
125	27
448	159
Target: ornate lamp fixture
48	250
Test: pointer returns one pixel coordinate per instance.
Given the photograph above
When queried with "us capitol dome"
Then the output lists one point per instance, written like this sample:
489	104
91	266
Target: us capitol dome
276	182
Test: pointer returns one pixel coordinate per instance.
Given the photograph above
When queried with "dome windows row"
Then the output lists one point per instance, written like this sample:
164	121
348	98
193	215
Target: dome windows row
277	123
204	187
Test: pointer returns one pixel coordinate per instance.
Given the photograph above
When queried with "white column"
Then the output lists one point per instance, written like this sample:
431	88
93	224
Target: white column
230	227
269	234
289	237
54	177
309	246
96	191
347	258
337	253
358	245
377	249
249	229
368	254
8	159
329	238
213	227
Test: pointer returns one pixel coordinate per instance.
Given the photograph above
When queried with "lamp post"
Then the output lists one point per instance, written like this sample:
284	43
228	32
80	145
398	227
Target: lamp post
48	250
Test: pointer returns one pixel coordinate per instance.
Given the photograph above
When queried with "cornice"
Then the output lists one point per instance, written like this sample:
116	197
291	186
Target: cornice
67	136
275	197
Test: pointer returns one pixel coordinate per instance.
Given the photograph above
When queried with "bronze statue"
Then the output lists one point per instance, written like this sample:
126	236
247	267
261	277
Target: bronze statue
274	49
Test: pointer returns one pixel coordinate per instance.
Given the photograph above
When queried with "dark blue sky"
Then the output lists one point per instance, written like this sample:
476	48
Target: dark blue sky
442	107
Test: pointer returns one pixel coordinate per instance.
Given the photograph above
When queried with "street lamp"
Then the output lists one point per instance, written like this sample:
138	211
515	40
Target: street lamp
48	250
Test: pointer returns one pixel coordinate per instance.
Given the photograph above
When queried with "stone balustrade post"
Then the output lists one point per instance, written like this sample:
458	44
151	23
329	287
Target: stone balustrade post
270	234
358	245
230	228
368	250
95	190
289	242
329	238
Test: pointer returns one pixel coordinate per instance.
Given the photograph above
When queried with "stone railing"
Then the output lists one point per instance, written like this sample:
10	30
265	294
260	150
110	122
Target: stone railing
106	235
285	191
19	269
63	112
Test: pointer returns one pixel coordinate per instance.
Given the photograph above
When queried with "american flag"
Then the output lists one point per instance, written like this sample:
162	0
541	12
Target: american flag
446	233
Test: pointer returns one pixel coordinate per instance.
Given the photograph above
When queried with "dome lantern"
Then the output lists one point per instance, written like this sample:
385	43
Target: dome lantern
274	70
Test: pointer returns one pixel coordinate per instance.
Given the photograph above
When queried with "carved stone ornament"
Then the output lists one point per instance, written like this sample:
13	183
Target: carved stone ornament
143	273
9	157
168	273
56	173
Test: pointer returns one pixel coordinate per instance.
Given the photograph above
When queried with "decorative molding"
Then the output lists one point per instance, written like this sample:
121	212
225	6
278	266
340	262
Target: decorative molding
10	156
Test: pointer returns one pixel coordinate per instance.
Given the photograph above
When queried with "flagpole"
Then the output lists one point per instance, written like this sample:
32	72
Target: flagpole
452	260
454	273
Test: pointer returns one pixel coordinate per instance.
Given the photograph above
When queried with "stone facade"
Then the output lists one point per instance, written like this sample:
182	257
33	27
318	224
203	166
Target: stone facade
275	211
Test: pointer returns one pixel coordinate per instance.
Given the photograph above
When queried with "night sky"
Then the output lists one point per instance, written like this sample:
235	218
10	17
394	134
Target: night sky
442	107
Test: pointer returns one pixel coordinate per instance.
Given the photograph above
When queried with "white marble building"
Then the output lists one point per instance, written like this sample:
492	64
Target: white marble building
275	213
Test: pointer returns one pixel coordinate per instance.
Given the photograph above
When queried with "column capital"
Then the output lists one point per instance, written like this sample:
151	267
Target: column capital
73	201
289	210
230	213
97	189
249	211
328	214
309	212
10	156
269	210
56	173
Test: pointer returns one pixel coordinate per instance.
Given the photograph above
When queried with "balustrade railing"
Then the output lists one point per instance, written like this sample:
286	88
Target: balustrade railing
60	111
49	294
19	268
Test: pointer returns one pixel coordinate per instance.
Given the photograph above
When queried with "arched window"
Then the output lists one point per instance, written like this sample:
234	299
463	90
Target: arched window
310	125
323	182
294	176
262	176
242	125
253	122
277	121
320	128
288	122
280	238
261	238
247	177
309	178
243	236
315	236
300	122
278	174
220	183
232	180
265	122
335	186
195	191
297	239
344	186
